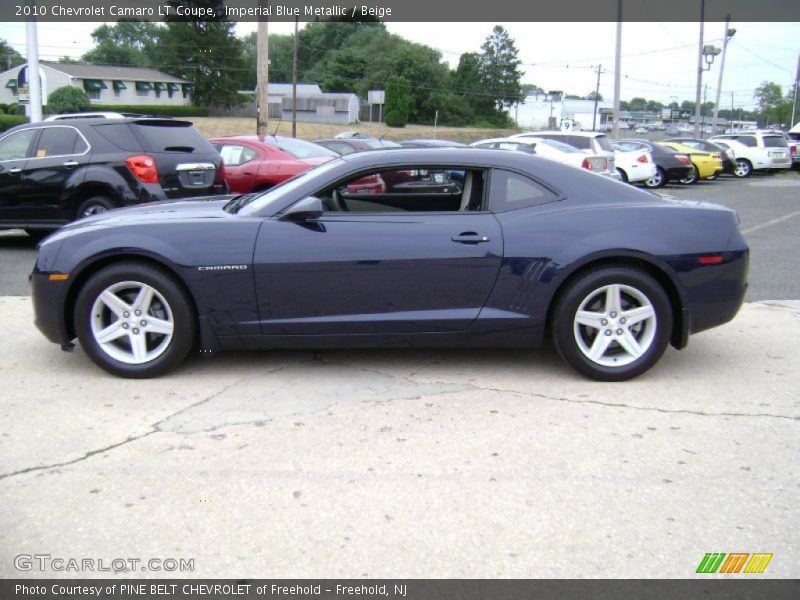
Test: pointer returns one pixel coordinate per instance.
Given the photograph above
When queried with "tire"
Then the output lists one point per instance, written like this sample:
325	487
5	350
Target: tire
607	348
711	178
94	206
658	180
622	175
691	178
107	304
743	168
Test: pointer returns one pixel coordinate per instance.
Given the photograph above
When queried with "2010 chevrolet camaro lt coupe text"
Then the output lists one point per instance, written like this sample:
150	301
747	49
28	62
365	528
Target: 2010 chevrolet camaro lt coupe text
467	247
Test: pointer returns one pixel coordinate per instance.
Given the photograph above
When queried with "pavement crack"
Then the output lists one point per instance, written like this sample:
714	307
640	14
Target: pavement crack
699	413
77	460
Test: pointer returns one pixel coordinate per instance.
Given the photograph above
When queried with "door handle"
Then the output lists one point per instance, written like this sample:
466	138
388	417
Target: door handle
470	237
71	163
15	170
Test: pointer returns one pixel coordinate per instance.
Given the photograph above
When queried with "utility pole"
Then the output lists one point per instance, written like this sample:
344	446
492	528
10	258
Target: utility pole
699	71
262	74
703	111
596	92
34	82
796	81
294	80
617	71
729	33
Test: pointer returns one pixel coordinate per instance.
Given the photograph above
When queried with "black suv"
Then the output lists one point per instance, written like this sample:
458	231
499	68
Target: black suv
57	171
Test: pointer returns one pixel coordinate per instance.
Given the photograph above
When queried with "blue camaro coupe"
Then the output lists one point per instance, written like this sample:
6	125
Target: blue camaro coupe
443	247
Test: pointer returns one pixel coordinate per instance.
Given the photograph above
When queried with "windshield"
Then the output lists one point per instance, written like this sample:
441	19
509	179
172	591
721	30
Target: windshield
602	141
300	148
252	203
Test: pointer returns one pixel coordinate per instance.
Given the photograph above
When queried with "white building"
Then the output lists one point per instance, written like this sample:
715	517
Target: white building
545	111
105	84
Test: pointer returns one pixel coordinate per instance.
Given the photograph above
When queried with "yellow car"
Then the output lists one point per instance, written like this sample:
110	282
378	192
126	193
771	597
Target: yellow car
707	165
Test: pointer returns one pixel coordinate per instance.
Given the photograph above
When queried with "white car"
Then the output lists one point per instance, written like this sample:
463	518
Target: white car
756	150
590	142
634	166
553	150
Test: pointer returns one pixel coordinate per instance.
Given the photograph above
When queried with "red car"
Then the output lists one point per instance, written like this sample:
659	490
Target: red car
254	164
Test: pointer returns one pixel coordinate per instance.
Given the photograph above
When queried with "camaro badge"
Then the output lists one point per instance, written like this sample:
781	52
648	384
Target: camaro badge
222	268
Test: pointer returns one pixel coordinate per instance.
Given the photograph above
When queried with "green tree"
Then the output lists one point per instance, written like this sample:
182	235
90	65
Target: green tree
775	108
8	56
126	43
500	72
206	52
398	98
591	96
67	99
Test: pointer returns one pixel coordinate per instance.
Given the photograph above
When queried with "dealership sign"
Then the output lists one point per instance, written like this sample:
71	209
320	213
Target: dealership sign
23	86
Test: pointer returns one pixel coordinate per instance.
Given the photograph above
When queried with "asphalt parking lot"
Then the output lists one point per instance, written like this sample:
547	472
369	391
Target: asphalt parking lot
454	463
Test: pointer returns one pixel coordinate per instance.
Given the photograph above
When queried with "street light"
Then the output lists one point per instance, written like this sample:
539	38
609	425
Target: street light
709	54
729	33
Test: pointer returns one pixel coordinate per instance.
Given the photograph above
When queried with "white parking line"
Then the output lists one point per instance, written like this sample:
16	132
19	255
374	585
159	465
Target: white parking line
772	222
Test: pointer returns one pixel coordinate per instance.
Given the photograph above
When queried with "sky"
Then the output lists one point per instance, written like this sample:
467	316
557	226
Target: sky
659	60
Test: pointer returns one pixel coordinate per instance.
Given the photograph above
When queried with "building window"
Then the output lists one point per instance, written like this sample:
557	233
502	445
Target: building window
93	94
143	88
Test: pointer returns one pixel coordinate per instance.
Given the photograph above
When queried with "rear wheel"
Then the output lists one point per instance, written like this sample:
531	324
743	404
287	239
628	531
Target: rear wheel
658	180
622	175
612	323
37	235
134	320
743	168
691	177
94	206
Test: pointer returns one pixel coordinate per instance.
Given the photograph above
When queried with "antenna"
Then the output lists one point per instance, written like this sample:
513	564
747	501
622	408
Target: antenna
276	130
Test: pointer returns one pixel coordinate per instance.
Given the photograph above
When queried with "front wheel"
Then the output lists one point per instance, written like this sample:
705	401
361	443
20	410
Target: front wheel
658	180
134	320
613	323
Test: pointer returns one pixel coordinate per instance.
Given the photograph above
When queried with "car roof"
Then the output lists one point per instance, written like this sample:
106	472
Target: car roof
559	132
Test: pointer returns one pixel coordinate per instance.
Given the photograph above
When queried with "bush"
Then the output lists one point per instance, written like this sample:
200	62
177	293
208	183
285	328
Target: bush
13	109
398	100
9	121
67	99
157	109
3	108
453	110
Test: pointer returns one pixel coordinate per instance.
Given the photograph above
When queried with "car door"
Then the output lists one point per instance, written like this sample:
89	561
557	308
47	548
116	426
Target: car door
56	163
241	167
392	263
15	148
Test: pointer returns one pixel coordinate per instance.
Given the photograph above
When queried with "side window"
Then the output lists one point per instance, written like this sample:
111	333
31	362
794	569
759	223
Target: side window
15	146
415	188
59	141
510	191
748	140
235	155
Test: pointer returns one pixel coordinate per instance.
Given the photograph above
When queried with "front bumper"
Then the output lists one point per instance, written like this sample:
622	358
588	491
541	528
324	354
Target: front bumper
48	307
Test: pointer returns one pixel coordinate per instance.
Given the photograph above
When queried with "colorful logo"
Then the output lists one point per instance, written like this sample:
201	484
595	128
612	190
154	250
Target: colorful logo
716	562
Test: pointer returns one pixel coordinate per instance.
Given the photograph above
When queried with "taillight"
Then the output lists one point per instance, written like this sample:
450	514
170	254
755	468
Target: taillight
643	159
595	163
682	158
711	259
143	167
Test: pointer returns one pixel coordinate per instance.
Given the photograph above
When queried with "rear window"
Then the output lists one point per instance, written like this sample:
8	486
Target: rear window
774	141
300	148
172	136
603	142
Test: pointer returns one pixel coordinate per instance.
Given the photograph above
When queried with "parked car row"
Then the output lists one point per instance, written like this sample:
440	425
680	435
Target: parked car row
79	165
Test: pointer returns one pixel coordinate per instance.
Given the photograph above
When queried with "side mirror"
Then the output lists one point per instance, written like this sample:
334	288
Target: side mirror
308	208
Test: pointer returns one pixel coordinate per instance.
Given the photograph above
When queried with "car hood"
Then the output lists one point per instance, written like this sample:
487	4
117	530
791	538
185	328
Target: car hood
201	208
